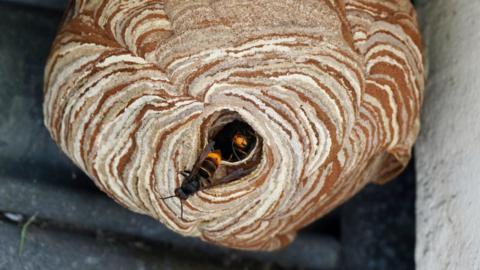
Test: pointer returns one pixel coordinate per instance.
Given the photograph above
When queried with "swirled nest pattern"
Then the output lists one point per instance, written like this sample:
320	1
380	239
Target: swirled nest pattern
332	87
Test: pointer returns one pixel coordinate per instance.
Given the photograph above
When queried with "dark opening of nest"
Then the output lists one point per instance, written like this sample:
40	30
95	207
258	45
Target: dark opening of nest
235	140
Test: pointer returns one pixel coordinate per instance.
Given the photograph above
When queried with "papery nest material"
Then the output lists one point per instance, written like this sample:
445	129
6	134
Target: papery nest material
332	88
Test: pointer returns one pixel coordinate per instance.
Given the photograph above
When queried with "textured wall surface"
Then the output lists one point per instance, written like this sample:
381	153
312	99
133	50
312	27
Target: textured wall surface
448	150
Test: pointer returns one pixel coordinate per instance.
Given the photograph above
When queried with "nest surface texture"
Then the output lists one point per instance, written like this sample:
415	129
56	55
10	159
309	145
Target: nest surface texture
331	88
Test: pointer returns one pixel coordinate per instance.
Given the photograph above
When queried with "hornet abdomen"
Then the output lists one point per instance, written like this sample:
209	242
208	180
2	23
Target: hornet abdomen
208	167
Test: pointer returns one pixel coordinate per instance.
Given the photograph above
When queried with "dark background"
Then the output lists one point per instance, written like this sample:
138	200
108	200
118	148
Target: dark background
78	227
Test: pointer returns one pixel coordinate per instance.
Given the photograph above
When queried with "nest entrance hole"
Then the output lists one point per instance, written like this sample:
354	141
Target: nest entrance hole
235	140
222	128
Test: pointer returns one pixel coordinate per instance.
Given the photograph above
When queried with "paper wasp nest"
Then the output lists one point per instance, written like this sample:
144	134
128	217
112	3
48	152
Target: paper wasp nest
332	89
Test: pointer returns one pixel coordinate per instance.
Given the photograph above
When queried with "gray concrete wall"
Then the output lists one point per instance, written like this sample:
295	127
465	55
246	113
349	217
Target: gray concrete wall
50	4
448	150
